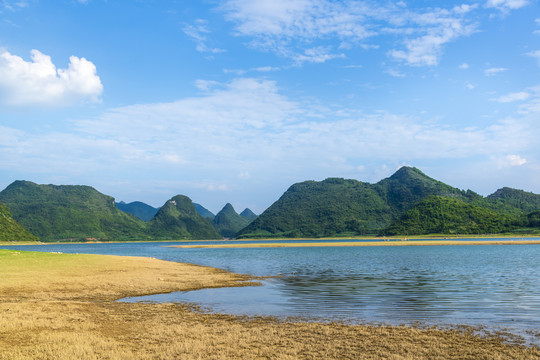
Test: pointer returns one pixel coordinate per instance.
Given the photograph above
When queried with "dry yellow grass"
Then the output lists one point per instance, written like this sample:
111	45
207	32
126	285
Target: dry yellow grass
368	243
59	306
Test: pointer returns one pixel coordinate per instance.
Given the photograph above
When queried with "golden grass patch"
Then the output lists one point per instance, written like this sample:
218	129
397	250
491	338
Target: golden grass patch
59	306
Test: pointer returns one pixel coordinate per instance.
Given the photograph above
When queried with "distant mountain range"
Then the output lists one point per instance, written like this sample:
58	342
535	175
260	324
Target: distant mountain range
407	203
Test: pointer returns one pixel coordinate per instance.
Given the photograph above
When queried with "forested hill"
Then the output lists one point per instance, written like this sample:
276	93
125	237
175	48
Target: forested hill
228	222
73	212
10	230
141	210
60	212
340	207
178	219
440	215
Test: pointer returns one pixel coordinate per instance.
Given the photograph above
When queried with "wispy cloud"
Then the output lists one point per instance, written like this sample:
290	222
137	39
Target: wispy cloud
289	28
494	71
247	126
198	33
506	5
512	97
536	55
39	82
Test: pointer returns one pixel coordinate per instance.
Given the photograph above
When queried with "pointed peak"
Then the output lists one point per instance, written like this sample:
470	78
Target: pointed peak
408	172
228	209
248	214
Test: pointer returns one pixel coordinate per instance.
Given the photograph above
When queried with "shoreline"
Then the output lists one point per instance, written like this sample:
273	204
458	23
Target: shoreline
328	239
63	306
415	242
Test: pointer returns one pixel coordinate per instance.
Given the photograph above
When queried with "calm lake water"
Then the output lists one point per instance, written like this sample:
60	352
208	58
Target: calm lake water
497	286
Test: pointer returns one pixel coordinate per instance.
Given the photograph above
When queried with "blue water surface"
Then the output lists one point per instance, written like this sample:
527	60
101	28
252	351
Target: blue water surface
497	286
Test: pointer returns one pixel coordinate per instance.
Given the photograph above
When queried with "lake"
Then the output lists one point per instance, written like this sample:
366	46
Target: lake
496	286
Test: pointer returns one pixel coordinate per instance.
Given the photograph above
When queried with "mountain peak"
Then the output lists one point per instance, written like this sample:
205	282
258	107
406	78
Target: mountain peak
248	214
408	172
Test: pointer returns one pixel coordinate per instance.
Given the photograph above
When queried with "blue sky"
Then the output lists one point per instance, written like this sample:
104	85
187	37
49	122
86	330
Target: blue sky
235	100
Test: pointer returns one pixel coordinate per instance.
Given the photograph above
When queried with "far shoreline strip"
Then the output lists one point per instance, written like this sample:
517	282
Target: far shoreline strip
367	243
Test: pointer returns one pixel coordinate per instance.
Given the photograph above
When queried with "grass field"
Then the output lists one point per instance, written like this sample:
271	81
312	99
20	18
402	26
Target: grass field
62	306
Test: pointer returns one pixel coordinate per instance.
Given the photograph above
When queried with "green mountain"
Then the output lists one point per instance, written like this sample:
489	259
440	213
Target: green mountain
10	230
513	201
443	215
63	212
204	211
227	222
248	214
340	207
141	210
177	219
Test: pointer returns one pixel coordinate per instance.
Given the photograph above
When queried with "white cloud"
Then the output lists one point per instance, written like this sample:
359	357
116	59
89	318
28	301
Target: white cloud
512	97
39	82
506	5
198	33
316	55
464	66
469	86
512	160
494	71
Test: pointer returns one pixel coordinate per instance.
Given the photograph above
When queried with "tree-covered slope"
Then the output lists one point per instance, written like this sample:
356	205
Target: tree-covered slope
444	215
205	213
58	212
177	219
344	207
227	222
139	209
339	207
11	230
248	214
513	201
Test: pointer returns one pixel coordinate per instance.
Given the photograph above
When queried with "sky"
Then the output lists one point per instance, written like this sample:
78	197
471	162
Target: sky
236	100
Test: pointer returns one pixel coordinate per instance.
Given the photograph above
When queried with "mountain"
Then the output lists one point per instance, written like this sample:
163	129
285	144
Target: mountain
141	210
227	222
443	215
10	230
513	200
177	219
204	211
73	212
248	214
340	207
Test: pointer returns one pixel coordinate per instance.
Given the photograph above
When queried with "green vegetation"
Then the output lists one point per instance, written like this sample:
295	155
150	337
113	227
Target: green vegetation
339	207
408	203
227	222
141	210
69	212
79	213
10	230
248	214
178	219
440	215
205	213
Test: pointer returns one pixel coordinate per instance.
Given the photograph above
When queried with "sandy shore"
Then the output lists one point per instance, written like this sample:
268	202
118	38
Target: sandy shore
62	306
367	243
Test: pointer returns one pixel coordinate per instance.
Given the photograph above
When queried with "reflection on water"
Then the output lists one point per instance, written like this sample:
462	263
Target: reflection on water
495	286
